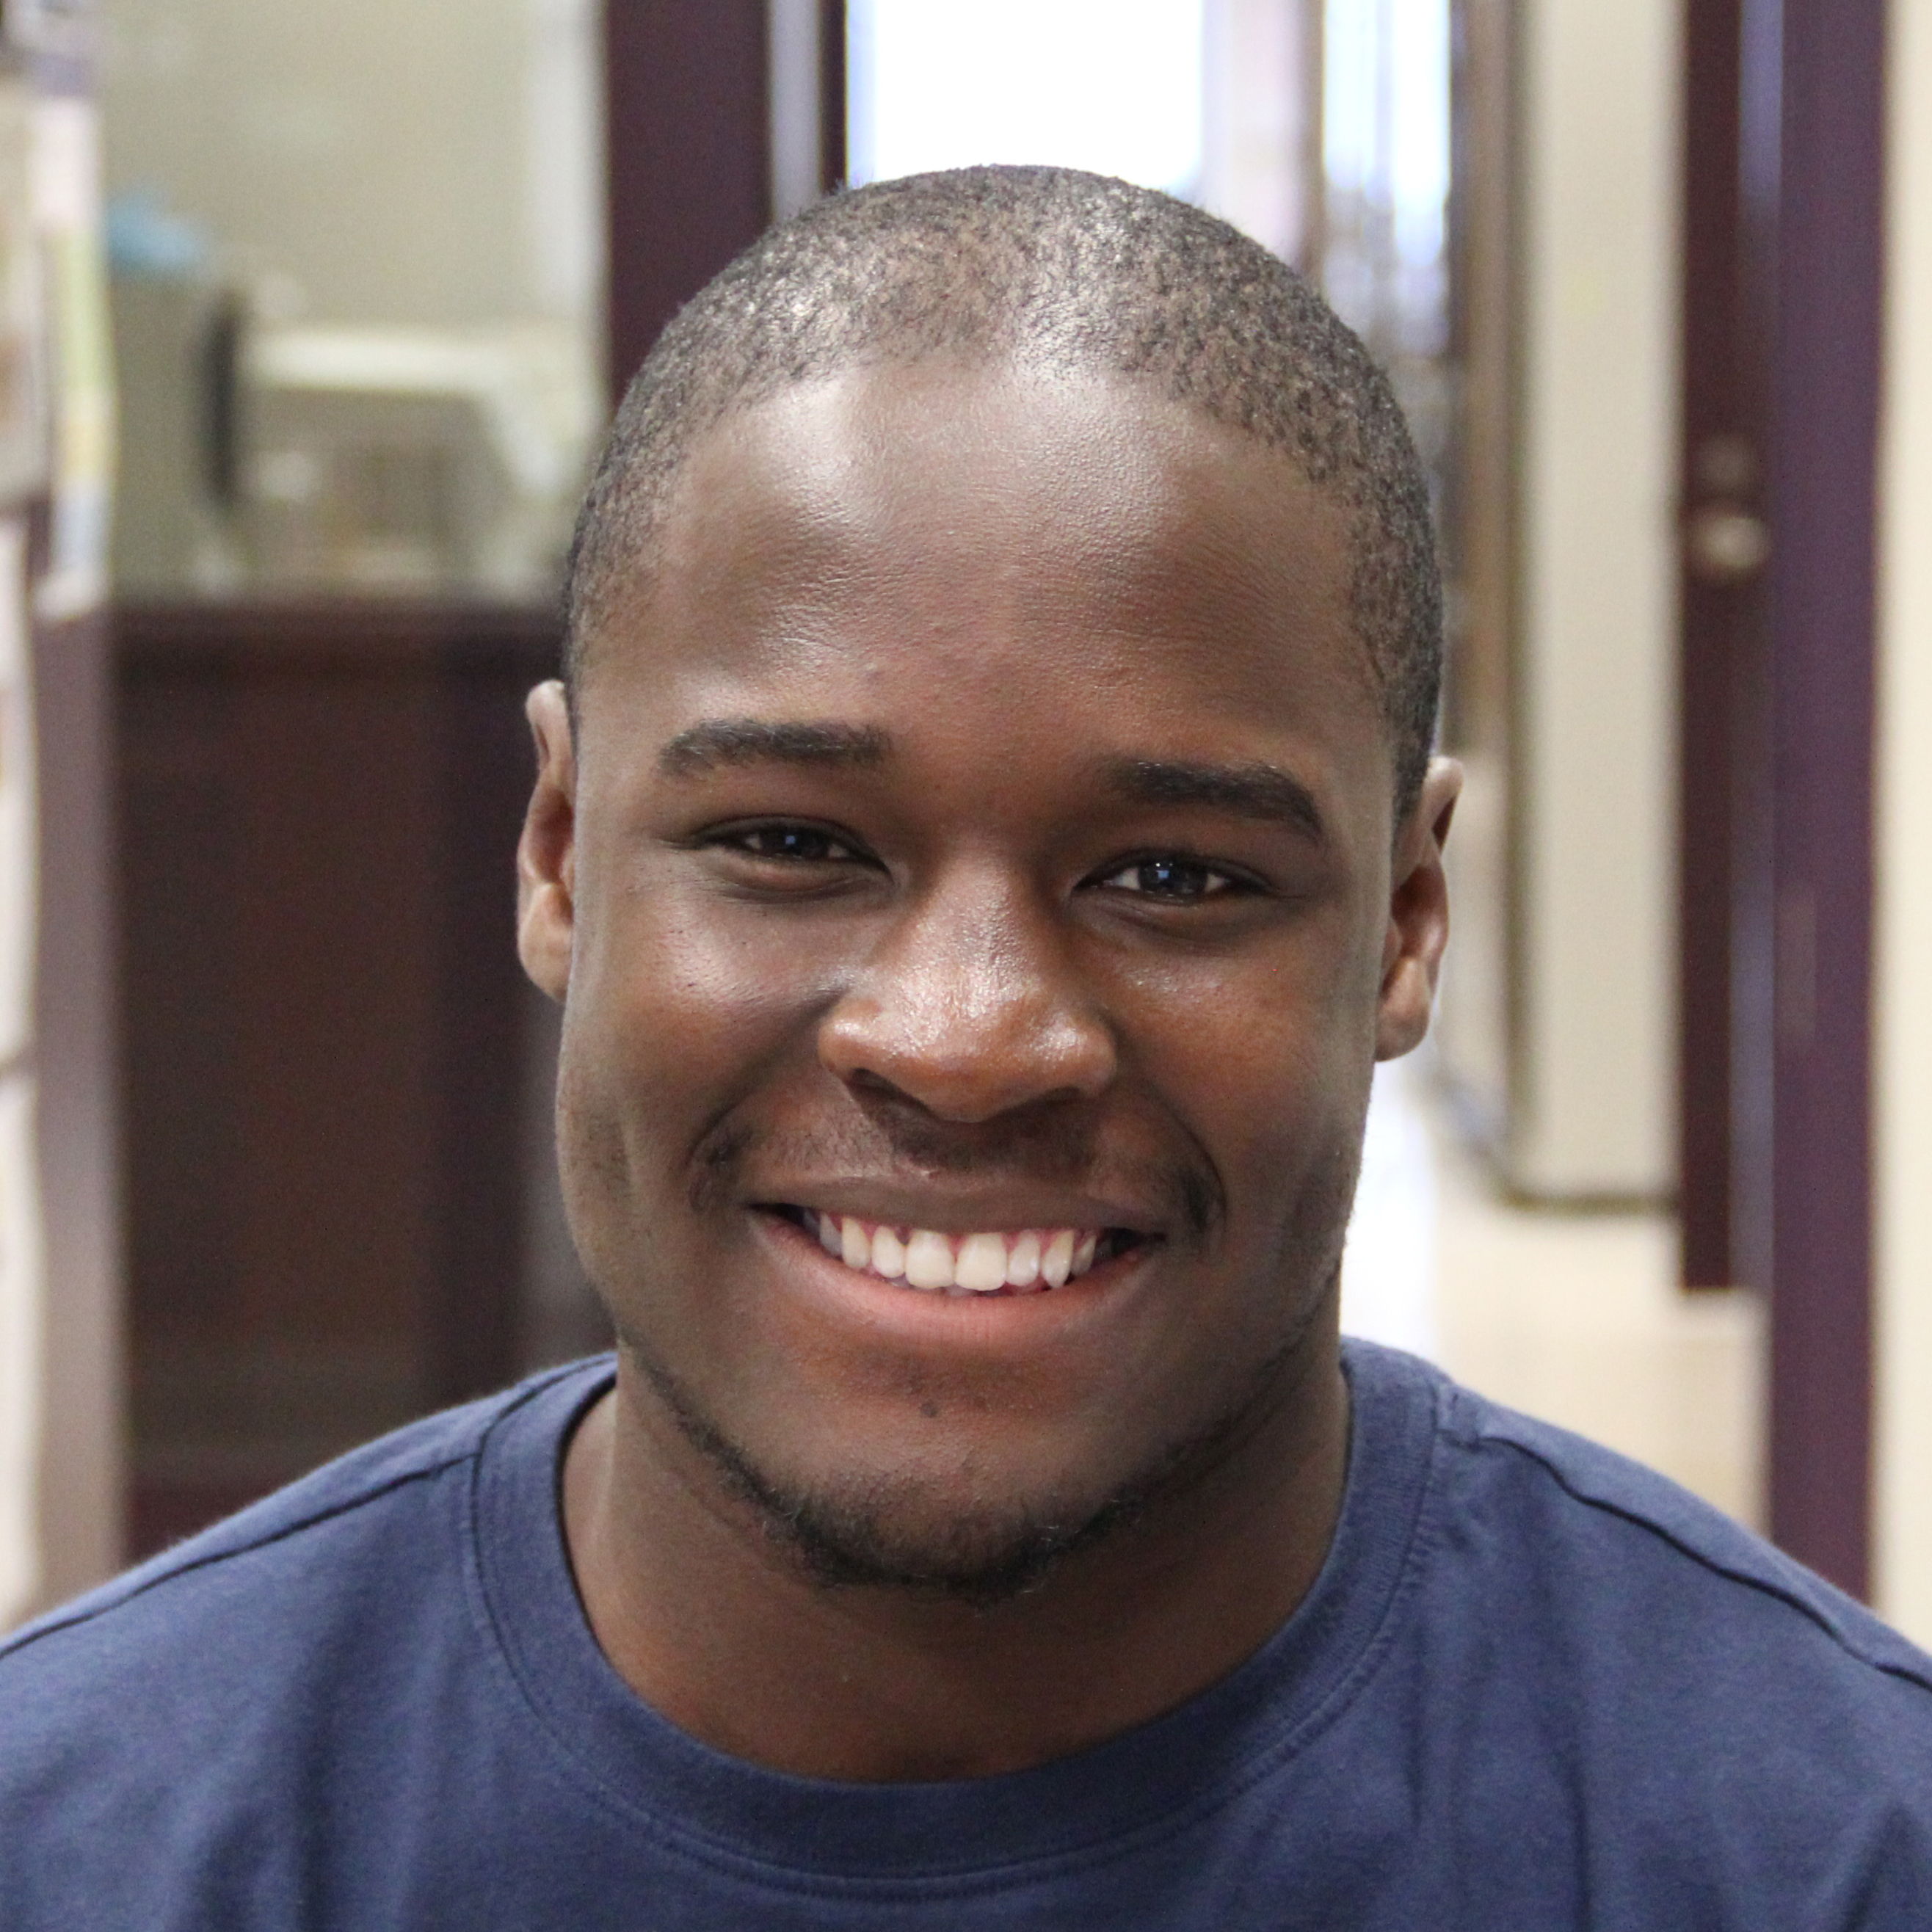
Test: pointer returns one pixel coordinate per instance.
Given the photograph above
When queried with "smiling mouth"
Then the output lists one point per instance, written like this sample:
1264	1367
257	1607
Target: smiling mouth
1021	1261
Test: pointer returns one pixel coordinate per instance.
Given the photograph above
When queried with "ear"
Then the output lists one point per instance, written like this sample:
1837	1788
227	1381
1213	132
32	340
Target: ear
547	853
1418	920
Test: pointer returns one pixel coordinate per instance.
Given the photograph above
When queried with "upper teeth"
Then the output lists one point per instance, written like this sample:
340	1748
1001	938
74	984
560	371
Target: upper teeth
1028	1259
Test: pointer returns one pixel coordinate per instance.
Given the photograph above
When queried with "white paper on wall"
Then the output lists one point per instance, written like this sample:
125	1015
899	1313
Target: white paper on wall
63	172
24	450
20	1292
18	820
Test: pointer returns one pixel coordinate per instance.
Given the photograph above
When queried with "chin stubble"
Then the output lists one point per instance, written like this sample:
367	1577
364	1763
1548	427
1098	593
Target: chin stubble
858	1540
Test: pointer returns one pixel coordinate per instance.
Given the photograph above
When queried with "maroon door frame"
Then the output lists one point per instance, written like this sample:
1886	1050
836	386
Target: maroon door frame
1783	289
687	114
832	156
689	147
1825	390
1719	629
1723	768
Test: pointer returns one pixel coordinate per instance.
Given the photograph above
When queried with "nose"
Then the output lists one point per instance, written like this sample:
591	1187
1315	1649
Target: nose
971	1007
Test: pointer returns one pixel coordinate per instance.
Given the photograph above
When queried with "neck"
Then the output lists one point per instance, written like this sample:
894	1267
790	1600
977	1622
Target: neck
712	1620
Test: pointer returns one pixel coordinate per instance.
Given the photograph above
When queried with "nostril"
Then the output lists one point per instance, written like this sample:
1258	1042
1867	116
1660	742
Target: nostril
867	1081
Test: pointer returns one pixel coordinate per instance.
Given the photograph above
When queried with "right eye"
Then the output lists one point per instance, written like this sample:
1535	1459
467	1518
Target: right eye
804	844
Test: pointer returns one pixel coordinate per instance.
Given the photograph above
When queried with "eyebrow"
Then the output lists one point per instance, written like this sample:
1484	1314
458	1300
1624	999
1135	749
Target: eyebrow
751	741
1260	791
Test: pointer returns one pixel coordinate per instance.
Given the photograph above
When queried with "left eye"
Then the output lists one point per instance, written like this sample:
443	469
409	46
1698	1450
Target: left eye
1177	880
806	843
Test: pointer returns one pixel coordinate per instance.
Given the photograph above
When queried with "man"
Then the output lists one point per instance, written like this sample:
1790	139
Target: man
986	836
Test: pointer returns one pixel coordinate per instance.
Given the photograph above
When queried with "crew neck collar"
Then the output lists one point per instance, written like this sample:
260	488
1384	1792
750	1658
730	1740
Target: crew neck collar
1146	1782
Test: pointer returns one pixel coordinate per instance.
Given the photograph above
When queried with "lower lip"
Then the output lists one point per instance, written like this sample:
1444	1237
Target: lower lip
951	1319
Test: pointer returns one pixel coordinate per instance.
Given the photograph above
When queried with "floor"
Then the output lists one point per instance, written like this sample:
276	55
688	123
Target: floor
1575	1318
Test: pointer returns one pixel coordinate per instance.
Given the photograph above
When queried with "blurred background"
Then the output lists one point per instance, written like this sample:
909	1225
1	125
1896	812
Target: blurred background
310	320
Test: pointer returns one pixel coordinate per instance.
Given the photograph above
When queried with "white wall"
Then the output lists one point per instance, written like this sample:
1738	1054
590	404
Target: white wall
1597	660
1903	1042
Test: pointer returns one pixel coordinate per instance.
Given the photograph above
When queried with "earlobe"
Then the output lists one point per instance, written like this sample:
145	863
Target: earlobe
546	852
1418	919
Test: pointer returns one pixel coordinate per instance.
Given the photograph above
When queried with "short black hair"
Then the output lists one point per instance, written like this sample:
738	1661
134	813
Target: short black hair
1068	269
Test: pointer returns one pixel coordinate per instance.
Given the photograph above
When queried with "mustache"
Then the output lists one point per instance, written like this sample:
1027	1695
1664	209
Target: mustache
1063	1149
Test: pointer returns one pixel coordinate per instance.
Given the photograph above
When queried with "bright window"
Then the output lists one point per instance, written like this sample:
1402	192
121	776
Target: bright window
1112	86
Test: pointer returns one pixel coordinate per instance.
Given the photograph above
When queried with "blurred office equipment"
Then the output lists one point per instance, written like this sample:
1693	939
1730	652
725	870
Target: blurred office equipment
175	340
285	457
435	462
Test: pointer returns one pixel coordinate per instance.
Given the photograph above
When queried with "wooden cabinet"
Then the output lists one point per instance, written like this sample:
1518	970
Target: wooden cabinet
337	1139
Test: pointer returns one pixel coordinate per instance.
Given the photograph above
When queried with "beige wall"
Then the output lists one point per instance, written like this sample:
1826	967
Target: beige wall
428	162
1902	1082
1594	1091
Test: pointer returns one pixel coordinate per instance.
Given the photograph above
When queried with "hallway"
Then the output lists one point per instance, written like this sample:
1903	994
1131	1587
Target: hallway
1574	1318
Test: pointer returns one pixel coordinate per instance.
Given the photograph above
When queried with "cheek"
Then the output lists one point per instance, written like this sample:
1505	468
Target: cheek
1268	1069
662	1038
1266	1047
671	1019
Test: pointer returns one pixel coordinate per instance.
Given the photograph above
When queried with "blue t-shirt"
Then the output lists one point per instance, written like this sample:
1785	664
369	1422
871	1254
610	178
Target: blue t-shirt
1534	1687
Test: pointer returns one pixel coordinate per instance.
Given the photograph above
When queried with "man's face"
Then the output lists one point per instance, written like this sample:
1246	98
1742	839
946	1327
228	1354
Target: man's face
975	859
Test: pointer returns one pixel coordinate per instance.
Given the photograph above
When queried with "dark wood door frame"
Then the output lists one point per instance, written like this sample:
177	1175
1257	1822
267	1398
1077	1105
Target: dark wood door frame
1825	390
833	159
1783	292
687	114
1724	743
689	156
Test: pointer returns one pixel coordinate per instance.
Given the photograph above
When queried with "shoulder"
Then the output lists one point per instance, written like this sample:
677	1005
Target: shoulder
1634	1537
1591	1658
1642	1660
341	1497
1594	1699
256	1604
200	1705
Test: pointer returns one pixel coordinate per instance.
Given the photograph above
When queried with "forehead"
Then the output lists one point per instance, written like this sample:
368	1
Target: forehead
976	523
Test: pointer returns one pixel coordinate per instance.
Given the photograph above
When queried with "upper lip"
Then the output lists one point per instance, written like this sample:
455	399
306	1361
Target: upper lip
960	1210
